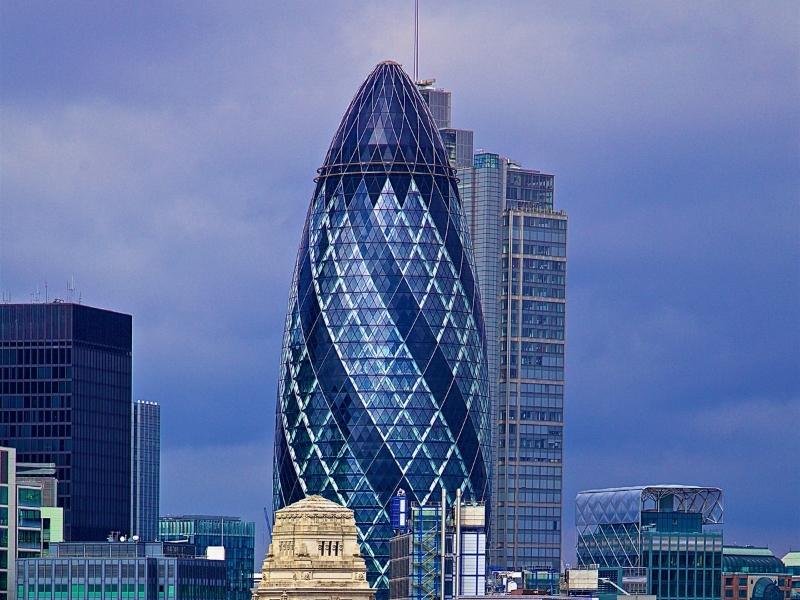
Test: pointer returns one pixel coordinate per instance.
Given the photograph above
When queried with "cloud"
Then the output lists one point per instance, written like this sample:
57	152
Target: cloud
165	155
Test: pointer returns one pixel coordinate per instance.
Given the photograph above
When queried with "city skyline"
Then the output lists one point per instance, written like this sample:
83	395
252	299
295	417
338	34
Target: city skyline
672	135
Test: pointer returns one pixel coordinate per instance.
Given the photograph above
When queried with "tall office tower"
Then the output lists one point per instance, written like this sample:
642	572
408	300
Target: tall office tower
520	251
145	469
438	101
65	398
383	373
662	540
237	537
519	242
457	142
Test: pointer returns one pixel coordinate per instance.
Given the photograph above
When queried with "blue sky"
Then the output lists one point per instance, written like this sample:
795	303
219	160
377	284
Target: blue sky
164	155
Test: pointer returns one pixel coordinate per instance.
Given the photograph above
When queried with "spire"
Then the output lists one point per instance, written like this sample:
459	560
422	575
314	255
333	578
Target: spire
387	127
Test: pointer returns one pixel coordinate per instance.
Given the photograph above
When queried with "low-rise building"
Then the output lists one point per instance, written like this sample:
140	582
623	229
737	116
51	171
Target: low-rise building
120	570
792	563
314	555
662	540
205	532
27	514
751	573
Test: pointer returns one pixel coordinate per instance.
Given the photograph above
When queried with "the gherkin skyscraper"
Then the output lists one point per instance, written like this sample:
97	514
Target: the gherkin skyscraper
383	381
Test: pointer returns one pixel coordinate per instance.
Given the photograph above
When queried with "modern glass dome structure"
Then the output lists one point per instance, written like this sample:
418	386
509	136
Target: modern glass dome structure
383	381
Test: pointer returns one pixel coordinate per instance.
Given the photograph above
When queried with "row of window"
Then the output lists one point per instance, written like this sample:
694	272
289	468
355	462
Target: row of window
35	431
539	456
538	277
45	401
531	415
528	290
555	374
36	356
36	387
537	249
35	372
34	416
531	360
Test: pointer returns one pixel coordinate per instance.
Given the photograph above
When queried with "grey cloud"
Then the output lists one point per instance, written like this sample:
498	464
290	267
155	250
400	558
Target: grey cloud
165	154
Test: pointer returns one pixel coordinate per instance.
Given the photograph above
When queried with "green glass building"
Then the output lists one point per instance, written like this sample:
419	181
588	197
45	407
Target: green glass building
121	571
663	540
232	533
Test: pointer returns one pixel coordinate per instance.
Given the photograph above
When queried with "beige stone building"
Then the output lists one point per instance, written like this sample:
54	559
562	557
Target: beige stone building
314	555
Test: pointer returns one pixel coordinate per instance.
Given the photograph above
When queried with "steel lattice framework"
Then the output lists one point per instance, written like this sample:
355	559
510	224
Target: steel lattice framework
609	522
383	373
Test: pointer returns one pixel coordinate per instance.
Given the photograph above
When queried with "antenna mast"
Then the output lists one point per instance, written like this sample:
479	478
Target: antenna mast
416	41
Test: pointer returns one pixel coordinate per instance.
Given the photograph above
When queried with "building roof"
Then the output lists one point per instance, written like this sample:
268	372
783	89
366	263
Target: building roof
199	518
315	504
625	504
792	558
750	559
640	488
388	127
747	551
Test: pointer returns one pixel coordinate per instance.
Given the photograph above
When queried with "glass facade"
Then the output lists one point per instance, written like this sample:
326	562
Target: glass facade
145	469
519	243
383	373
520	249
65	398
438	102
23	533
235	535
659	540
121	571
416	558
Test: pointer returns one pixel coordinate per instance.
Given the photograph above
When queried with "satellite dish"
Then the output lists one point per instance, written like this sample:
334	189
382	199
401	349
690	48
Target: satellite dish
135	538
122	538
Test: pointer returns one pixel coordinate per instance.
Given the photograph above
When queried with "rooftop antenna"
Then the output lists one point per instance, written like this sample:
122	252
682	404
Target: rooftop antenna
416	41
71	288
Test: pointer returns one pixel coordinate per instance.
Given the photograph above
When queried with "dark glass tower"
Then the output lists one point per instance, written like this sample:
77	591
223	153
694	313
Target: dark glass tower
145	469
65	398
383	374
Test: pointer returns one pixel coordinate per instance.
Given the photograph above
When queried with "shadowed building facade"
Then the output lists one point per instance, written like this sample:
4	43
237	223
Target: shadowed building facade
145	469
65	398
383	379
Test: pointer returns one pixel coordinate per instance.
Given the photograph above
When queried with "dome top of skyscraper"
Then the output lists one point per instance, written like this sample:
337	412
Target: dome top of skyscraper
387	127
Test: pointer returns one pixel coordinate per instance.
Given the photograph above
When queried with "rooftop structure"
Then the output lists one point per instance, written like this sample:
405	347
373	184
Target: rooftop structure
638	536
314	555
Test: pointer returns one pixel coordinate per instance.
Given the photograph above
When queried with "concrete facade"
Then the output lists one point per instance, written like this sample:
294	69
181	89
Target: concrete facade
314	555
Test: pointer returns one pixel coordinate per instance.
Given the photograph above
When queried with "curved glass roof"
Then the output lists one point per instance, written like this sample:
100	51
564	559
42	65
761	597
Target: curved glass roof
624	504
387	128
750	559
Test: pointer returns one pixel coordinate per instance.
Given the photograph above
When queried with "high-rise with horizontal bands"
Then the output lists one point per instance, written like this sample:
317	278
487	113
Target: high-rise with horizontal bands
145	469
65	398
383	381
519	238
